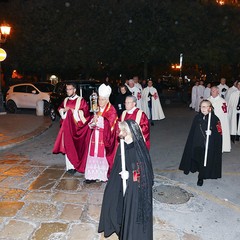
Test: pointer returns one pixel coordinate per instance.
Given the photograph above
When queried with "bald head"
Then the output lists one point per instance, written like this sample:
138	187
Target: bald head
214	91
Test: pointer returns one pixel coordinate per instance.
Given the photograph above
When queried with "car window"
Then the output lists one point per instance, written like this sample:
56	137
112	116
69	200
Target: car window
60	88
30	89
44	87
21	88
87	90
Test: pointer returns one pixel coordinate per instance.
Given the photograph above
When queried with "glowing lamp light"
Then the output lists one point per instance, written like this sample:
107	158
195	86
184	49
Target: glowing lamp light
175	66
5	29
221	2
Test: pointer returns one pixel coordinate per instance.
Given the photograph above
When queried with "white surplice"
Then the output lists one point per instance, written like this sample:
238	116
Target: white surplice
221	111
157	111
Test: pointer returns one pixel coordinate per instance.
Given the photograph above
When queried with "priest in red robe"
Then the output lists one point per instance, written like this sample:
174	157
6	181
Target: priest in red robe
103	142
134	113
72	139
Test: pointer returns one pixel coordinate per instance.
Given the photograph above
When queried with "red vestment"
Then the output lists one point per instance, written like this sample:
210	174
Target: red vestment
144	124
110	133
107	136
74	136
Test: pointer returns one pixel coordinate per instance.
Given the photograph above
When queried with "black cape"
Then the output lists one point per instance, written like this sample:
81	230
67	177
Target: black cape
121	214
193	155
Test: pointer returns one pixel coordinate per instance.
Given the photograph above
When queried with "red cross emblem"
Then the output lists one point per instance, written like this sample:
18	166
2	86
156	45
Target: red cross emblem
219	127
224	107
136	175
138	95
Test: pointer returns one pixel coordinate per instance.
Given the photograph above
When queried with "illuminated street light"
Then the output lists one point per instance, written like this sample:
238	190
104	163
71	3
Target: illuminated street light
4	32
221	2
176	66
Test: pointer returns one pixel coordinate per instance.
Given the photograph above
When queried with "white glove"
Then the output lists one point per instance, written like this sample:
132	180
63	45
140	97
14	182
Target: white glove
124	174
62	113
208	132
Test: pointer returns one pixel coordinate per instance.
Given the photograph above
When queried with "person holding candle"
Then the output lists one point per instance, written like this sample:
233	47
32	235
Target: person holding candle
205	126
129	213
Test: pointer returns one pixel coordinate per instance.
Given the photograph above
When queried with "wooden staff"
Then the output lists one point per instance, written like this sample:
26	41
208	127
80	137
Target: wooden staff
207	140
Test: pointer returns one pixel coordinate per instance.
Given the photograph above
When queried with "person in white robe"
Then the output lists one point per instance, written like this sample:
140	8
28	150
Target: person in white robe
231	90
136	83
234	114
199	98
207	91
151	104
136	92
222	87
221	111
194	95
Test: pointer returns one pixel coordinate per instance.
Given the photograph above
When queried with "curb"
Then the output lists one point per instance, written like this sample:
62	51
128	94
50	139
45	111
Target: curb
19	140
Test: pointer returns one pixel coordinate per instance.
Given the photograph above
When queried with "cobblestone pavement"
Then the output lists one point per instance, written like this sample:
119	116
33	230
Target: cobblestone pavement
44	202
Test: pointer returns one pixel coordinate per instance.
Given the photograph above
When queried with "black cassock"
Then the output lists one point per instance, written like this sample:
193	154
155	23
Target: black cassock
130	217
193	155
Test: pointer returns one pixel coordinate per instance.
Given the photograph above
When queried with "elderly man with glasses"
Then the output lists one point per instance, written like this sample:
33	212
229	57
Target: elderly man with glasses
134	113
103	143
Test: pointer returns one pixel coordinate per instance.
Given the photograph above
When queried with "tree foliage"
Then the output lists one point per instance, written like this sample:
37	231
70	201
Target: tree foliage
92	36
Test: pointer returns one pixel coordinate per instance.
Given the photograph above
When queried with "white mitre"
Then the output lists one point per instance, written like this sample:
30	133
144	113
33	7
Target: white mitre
104	91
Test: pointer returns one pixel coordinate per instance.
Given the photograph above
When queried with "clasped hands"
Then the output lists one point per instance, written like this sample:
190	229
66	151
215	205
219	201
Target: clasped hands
68	108
94	122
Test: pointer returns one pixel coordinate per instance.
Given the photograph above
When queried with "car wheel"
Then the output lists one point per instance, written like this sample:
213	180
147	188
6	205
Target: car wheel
53	114
46	108
11	106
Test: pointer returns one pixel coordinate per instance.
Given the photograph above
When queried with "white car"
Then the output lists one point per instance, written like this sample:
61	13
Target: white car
26	95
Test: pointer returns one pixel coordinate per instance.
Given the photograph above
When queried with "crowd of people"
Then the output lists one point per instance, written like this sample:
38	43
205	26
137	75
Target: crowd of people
90	143
226	105
213	129
147	96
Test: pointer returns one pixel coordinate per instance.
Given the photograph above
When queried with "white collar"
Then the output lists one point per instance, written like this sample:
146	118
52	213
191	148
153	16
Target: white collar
73	97
131	111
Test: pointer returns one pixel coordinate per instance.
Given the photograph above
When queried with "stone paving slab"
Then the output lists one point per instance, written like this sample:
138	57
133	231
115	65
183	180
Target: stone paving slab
56	205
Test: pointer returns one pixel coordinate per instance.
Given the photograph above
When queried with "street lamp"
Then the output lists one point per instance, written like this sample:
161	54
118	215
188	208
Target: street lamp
4	32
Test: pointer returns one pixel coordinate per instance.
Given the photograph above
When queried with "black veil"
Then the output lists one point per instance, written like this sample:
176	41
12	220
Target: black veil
146	173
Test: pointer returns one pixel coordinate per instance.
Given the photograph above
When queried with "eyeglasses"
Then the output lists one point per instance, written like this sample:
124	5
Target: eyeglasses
69	89
128	102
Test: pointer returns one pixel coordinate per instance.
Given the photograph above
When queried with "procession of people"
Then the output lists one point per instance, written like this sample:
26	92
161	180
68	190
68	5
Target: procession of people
112	145
210	136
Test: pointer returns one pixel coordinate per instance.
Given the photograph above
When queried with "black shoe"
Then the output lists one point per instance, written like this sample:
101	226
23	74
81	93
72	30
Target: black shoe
152	123
200	182
71	171
87	181
233	138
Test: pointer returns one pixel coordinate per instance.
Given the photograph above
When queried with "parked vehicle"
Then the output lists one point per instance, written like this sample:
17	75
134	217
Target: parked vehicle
84	88
26	95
